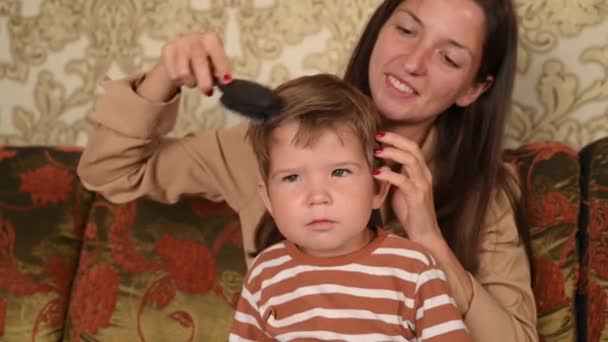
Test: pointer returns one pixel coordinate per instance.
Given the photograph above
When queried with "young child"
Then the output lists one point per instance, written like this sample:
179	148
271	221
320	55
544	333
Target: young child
322	271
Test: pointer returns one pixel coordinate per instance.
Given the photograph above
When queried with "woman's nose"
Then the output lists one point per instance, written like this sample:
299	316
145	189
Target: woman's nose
415	60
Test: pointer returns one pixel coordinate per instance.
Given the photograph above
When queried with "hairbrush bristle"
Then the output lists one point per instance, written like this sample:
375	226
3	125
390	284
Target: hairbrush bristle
249	111
250	99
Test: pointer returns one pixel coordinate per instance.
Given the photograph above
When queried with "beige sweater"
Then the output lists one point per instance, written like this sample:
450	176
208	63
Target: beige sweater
128	157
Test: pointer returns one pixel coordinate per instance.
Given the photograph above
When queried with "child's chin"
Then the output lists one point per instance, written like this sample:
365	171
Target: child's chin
326	251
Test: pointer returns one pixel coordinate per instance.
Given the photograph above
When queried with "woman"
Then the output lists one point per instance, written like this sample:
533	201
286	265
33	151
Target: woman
441	74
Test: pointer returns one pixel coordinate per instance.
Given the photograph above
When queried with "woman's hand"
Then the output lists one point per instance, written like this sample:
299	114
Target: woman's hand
412	202
193	61
412	196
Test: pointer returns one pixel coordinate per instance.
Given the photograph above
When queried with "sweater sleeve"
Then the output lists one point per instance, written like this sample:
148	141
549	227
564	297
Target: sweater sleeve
502	307
503	303
128	155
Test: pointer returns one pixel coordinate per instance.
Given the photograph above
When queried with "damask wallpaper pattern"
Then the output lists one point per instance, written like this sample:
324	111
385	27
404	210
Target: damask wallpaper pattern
54	53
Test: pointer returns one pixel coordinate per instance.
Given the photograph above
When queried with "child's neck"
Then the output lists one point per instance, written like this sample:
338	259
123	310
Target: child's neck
367	236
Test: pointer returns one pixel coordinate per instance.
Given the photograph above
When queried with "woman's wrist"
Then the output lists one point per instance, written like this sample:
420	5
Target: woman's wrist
431	239
156	86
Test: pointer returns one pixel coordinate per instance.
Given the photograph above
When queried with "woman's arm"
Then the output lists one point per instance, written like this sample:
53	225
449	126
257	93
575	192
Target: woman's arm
497	303
127	155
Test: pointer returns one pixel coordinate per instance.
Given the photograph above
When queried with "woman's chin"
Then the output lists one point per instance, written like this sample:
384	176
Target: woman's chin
392	115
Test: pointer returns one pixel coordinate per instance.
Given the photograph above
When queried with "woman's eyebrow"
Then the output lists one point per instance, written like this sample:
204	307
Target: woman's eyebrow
412	15
450	41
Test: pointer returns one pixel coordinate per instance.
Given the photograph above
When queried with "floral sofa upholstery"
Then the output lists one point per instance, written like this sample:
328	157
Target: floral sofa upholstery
75	267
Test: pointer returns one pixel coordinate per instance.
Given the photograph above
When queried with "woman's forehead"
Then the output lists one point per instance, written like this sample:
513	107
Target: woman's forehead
461	21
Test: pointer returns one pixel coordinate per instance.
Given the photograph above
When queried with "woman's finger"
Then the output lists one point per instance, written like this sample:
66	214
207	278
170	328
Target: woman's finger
396	179
402	143
201	68
185	76
169	61
220	63
411	164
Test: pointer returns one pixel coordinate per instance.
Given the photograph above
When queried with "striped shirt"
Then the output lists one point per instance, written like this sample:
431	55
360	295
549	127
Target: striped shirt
391	290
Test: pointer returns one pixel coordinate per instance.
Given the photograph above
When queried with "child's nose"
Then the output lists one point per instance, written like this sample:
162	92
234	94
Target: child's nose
319	195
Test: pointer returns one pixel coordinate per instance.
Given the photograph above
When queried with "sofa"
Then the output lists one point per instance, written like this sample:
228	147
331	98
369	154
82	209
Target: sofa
74	266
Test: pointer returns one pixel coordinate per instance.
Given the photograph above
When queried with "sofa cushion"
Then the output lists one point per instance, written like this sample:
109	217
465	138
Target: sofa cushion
593	287
154	272
549	175
43	212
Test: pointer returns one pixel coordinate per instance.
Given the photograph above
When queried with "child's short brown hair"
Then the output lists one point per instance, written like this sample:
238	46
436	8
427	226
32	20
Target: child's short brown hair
317	103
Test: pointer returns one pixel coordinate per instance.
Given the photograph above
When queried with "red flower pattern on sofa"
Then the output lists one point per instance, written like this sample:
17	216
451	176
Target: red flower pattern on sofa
6	154
553	208
549	291
191	265
597	311
598	235
175	264
48	184
124	251
94	300
43	209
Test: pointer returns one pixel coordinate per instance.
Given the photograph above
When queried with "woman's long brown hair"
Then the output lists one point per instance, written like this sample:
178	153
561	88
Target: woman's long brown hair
471	169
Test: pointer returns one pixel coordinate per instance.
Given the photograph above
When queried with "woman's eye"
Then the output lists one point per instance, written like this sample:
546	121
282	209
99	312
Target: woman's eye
290	178
340	172
404	30
449	61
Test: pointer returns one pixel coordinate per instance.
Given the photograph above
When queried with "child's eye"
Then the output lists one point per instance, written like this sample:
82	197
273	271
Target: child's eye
290	178
340	172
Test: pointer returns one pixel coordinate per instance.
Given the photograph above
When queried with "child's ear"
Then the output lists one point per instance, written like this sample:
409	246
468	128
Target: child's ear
263	192
382	188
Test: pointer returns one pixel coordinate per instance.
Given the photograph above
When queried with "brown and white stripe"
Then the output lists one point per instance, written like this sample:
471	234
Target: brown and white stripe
390	291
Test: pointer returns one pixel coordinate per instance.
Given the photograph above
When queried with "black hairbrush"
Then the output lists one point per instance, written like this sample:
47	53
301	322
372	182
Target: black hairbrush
250	99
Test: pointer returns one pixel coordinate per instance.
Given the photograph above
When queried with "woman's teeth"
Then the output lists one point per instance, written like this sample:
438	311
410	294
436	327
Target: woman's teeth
402	87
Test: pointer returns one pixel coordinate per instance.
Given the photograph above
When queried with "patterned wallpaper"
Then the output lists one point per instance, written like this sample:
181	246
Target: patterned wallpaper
54	53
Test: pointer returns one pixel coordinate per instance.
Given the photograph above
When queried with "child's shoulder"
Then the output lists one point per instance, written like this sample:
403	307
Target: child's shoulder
406	250
278	250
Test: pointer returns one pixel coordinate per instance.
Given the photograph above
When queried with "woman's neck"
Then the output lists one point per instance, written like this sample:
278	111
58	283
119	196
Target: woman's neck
416	133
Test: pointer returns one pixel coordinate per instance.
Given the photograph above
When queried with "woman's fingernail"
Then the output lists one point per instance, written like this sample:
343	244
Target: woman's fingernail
378	150
227	78
376	172
209	92
380	134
